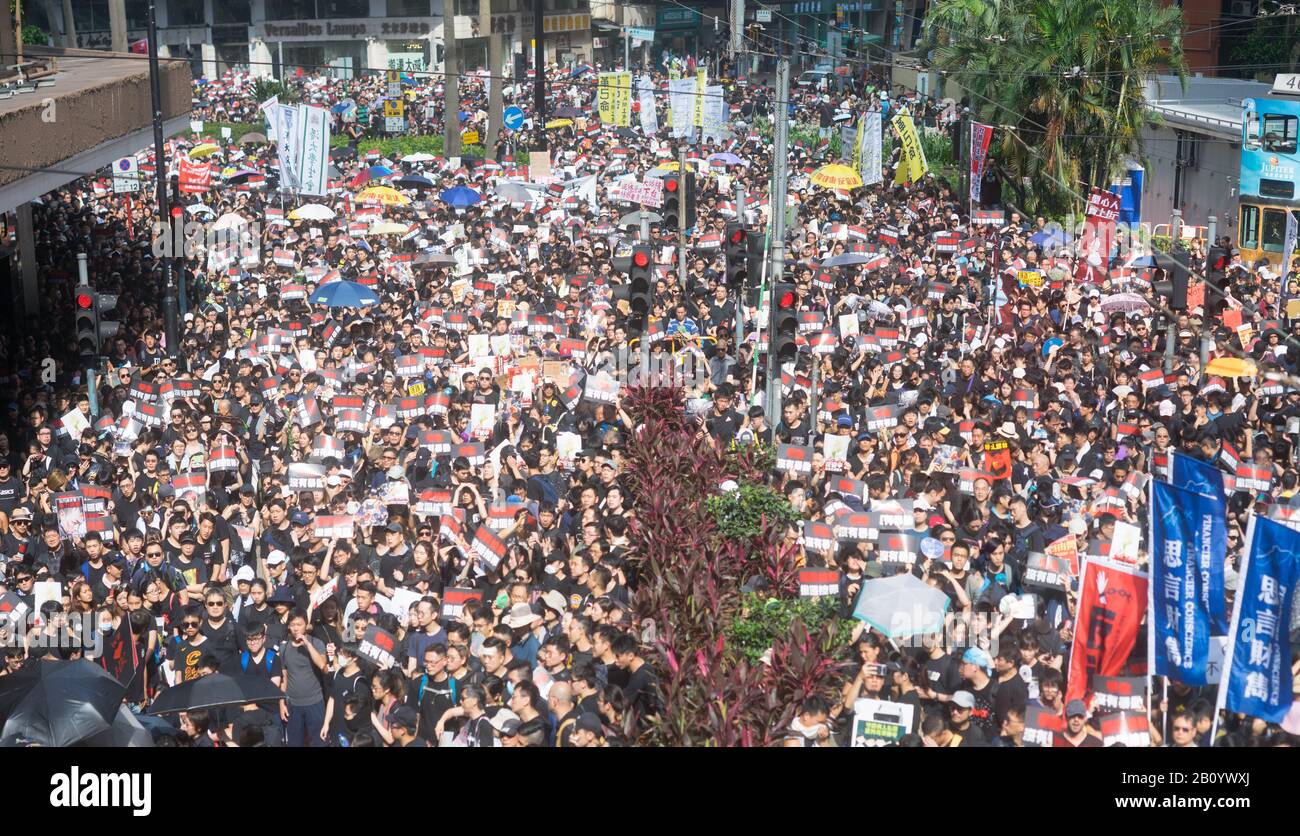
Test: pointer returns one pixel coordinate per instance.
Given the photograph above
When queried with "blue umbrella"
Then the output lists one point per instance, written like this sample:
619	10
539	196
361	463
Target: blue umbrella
1048	236
377	171
579	70
340	107
344	294
460	197
725	158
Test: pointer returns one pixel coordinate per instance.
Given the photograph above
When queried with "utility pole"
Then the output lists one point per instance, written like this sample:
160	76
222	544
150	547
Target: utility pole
451	82
737	31
1207	338
780	160
963	140
495	81
539	75
171	315
740	292
69	26
681	220
117	24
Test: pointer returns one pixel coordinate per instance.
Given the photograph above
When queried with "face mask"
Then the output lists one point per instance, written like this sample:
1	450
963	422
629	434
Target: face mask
510	689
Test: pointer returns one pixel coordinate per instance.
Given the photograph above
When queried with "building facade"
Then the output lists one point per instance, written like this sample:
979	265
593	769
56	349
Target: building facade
277	37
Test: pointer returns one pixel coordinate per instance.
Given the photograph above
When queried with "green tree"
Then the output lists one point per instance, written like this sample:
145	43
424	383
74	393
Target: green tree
1069	77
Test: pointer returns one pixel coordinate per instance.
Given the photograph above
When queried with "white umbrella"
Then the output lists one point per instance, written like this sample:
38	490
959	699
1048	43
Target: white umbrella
199	209
418	157
230	220
901	606
312	212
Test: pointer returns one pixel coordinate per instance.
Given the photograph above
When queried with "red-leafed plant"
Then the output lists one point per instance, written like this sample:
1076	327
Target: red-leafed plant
690	586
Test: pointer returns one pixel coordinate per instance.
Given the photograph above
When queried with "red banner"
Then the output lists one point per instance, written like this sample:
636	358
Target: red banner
980	137
1098	237
195	177
1112	600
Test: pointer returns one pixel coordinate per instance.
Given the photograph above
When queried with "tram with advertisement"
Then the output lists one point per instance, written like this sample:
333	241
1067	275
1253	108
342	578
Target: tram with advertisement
1270	171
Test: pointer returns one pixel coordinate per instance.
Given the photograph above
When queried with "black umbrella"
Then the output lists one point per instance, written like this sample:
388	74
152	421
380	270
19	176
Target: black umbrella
125	733
57	703
567	112
343	152
213	691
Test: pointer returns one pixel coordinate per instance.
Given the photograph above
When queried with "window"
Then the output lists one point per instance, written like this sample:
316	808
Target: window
1280	133
1274	230
1248	235
185	13
326	9
501	7
137	14
467	8
290	9
1278	189
1188	147
232	11
408	8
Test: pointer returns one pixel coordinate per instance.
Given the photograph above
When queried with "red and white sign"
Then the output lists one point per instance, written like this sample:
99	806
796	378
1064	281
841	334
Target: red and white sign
647	193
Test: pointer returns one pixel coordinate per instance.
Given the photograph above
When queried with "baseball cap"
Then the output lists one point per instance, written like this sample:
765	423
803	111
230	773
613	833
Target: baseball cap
299	518
506	722
963	699
245	573
1076	708
406	717
589	723
276	557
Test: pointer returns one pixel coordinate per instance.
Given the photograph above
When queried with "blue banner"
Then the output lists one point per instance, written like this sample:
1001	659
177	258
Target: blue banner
1205	479
1259	664
1182	523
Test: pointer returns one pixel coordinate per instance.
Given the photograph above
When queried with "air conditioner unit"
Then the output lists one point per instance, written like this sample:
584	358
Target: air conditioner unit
1243	8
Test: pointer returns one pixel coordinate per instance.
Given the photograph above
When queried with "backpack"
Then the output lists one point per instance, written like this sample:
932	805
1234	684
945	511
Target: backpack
245	657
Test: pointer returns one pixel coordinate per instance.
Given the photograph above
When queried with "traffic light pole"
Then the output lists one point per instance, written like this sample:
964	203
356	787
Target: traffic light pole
780	158
171	314
681	220
740	291
88	365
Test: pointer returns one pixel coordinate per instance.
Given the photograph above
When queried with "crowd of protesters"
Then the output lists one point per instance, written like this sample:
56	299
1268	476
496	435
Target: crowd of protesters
291	480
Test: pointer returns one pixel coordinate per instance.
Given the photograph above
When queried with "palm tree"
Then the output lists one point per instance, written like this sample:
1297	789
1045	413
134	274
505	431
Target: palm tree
1068	77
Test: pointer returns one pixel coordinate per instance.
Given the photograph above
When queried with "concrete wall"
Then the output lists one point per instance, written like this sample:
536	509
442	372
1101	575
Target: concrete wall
1209	187
95	100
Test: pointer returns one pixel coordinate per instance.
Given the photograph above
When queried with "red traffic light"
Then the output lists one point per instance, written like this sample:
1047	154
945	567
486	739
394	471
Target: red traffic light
738	236
85	301
640	258
786	300
671	184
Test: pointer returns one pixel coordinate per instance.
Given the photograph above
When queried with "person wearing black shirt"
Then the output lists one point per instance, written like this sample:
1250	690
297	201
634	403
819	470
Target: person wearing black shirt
126	502
218	627
794	428
258	660
723	421
640	690
432	692
11	488
1012	691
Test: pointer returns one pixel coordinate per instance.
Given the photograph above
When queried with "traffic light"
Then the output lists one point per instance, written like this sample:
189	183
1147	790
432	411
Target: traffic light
733	248
87	324
679	197
754	252
93	331
672	201
636	292
784	323
688	199
1172	289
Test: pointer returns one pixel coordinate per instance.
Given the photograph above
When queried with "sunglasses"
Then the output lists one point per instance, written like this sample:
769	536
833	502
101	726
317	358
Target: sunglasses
190	625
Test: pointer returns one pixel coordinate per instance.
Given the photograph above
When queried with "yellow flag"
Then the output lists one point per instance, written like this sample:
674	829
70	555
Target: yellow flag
911	162
701	80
